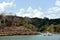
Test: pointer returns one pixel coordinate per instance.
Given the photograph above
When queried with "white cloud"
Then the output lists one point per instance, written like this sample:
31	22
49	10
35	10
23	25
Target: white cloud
52	16
57	3
54	12
21	11
56	8
37	13
6	5
30	12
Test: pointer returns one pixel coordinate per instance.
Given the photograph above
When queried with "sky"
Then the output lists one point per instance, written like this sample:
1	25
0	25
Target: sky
31	8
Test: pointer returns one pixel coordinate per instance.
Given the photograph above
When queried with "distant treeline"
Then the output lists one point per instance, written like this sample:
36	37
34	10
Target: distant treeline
42	25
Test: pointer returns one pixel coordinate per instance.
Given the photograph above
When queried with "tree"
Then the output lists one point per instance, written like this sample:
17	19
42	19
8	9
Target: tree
0	19
26	21
50	28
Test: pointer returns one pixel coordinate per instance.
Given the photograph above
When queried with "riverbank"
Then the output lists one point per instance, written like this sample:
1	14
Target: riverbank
20	30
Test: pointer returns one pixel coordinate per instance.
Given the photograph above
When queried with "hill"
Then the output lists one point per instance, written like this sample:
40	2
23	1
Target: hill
32	25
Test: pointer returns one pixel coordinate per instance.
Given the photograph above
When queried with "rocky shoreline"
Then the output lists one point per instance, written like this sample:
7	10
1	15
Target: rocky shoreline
5	31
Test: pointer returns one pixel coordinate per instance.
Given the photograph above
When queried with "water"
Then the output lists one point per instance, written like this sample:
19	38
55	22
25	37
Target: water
31	37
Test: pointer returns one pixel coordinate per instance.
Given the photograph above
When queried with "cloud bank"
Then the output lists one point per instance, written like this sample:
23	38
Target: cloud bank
6	5
52	12
30	12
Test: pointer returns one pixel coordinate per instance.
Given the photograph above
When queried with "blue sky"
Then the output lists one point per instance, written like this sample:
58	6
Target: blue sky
32	8
35	3
44	4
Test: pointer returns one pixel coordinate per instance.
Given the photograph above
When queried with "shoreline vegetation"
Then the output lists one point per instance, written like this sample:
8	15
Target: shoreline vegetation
15	25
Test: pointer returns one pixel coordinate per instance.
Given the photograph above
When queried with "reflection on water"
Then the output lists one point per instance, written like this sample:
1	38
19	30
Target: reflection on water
31	37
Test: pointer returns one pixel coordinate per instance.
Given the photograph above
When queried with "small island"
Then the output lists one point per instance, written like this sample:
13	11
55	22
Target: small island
15	25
